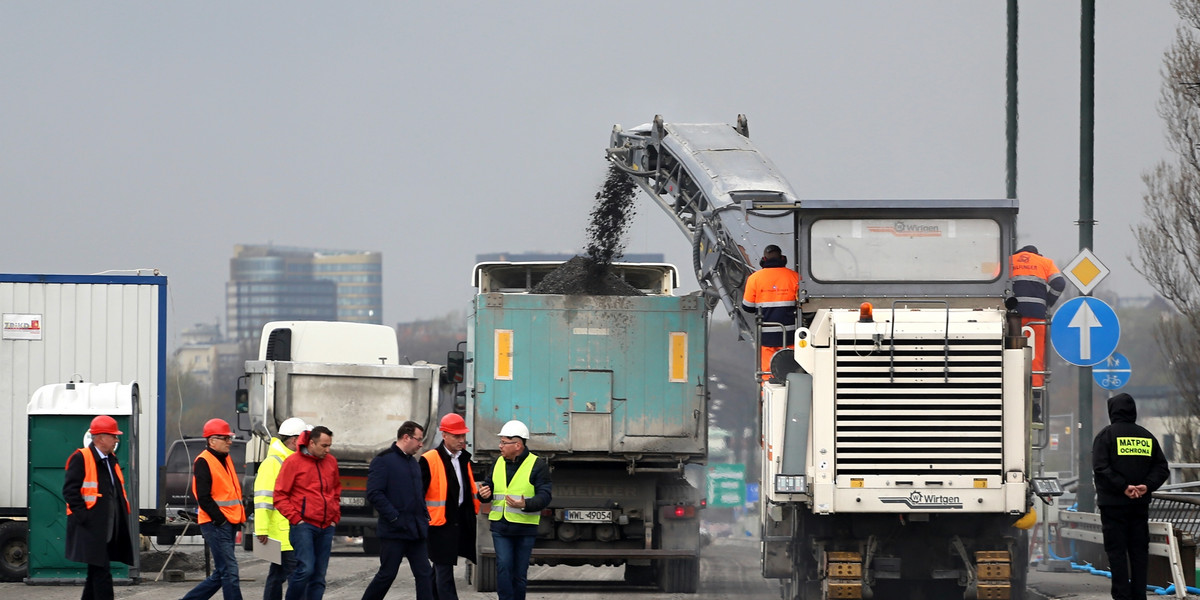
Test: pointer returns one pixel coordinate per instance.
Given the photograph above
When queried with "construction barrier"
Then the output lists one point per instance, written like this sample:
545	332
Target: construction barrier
1085	527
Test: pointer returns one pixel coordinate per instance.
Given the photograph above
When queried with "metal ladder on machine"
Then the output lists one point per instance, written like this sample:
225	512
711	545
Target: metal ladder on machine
1041	441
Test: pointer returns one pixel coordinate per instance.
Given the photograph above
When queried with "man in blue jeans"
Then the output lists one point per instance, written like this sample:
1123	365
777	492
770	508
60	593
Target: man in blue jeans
519	488
308	492
218	492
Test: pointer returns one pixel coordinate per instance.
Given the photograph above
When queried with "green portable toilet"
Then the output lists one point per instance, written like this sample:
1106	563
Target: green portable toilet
59	416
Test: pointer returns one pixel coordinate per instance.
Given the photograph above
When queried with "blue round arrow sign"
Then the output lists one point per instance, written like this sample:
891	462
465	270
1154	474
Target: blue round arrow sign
1085	331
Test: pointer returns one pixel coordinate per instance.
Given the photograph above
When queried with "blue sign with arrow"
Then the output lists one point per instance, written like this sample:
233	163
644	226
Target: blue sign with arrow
1114	373
1085	331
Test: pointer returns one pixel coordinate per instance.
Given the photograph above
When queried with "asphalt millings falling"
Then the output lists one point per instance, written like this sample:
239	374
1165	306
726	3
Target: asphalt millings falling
611	217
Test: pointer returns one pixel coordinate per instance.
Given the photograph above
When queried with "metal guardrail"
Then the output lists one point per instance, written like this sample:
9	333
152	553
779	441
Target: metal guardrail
1181	509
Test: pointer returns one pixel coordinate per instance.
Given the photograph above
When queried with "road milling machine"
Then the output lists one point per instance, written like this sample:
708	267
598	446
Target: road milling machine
896	434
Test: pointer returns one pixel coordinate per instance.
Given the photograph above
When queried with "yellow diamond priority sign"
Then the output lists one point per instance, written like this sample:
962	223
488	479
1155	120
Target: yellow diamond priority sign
1086	271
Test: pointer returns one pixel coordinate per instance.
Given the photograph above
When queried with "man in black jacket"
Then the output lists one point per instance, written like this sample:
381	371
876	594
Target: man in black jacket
394	489
450	496
97	509
1128	465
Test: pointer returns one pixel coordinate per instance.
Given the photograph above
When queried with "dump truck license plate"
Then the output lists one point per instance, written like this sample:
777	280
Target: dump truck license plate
354	501
588	516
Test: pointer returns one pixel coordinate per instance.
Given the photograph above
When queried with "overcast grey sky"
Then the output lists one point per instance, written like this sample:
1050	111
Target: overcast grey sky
160	134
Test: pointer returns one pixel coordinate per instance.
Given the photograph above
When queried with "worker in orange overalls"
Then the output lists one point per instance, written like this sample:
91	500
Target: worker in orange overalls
1037	285
771	292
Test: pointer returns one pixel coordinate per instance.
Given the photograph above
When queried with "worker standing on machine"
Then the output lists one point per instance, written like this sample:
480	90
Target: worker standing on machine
771	292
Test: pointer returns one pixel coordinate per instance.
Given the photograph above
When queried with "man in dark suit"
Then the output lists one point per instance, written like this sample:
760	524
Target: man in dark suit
450	496
97	509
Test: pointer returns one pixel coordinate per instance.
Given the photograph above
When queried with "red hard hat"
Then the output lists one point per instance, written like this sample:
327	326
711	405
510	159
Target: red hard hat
217	427
453	423
104	424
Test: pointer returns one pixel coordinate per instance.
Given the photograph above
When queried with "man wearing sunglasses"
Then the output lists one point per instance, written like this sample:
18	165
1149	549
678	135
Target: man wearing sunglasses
218	492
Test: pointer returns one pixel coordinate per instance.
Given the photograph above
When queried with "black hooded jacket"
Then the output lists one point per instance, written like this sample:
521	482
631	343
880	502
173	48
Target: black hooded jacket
1125	454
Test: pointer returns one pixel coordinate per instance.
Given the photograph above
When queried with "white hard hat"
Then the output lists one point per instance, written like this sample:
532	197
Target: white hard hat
293	426
515	429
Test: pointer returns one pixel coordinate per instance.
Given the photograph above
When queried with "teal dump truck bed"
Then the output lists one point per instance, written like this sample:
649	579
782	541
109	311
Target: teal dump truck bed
595	377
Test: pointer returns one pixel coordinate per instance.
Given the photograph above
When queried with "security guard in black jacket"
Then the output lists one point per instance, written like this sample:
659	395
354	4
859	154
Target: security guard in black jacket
1128	465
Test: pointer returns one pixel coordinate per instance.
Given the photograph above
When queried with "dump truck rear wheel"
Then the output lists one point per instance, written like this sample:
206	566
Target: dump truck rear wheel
639	574
14	550
485	574
679	575
371	545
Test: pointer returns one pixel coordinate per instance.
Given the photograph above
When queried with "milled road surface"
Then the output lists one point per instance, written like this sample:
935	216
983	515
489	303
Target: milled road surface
728	568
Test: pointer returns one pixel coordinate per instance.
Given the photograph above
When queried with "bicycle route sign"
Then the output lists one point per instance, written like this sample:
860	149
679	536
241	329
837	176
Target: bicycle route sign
1113	373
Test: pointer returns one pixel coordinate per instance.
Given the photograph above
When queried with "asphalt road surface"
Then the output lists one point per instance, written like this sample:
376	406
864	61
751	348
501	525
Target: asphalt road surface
728	568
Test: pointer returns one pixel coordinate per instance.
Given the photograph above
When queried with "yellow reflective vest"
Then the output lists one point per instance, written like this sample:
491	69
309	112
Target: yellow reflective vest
521	485
267	520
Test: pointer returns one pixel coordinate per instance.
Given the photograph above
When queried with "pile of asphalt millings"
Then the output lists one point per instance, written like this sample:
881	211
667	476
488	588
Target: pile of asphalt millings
152	561
580	276
611	217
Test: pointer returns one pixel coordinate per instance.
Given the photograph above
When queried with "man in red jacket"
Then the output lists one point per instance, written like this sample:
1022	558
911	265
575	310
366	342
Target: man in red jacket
308	493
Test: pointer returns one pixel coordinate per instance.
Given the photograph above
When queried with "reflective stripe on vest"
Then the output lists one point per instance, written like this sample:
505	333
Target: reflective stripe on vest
521	486
91	481
435	496
226	489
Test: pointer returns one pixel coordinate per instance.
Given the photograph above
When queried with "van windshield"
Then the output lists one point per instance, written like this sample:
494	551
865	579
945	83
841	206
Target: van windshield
858	250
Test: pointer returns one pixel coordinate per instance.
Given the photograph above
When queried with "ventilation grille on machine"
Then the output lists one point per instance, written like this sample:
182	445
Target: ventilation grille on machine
919	407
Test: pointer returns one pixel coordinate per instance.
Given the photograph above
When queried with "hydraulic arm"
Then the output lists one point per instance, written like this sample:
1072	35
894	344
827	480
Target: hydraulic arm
724	195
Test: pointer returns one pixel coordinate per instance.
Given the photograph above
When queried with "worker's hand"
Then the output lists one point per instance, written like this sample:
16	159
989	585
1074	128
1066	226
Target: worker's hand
1142	490
485	491
1131	491
515	501
262	539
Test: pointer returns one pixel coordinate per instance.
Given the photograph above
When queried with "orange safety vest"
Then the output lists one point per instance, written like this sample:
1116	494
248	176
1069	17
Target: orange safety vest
1036	283
771	292
226	490
435	496
91	481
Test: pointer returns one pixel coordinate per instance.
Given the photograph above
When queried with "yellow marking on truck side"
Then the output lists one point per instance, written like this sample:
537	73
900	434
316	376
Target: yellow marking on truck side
504	354
677	361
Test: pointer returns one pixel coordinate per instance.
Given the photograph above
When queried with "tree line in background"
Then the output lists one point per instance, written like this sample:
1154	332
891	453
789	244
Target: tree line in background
1168	238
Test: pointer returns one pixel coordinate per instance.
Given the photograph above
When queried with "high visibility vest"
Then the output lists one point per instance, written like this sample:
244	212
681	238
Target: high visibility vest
226	489
1036	283
91	481
519	486
772	292
435	496
267	520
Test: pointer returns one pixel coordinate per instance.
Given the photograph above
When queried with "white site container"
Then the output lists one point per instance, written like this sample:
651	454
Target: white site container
94	328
